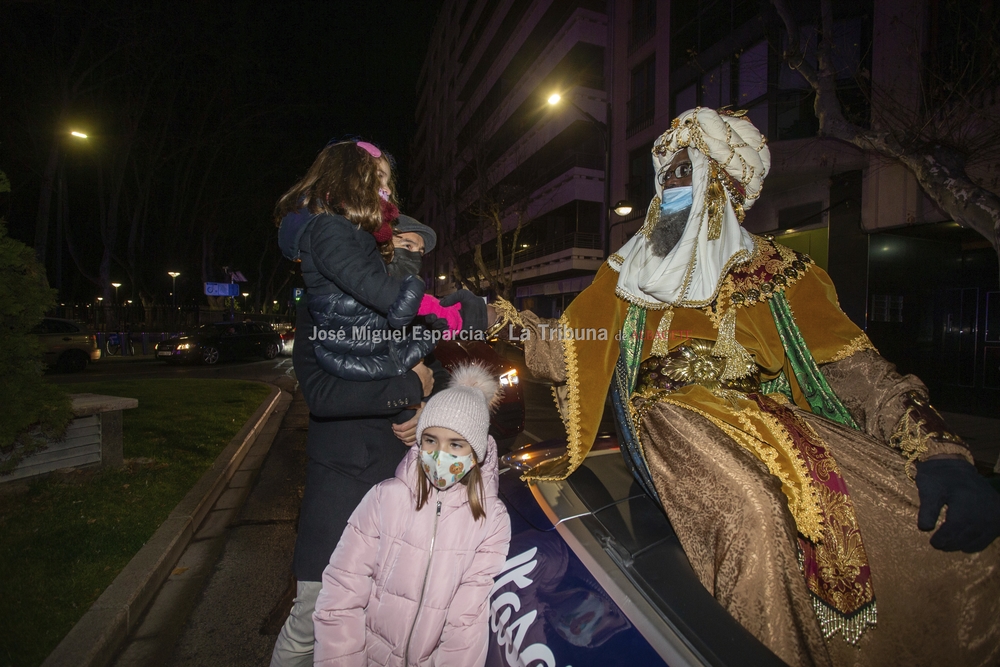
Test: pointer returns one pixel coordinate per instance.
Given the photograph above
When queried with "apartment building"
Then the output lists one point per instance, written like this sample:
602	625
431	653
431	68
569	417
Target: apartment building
924	288
492	153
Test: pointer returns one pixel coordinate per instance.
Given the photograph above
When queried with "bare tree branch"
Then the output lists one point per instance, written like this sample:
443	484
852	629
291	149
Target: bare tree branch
939	167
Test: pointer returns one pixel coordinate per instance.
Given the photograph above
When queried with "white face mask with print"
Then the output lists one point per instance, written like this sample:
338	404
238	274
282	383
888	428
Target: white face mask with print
444	470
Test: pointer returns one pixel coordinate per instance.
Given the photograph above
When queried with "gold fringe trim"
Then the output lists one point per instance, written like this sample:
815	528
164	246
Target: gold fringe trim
859	344
574	437
739	362
715	202
803	501
652	215
661	343
506	314
911	438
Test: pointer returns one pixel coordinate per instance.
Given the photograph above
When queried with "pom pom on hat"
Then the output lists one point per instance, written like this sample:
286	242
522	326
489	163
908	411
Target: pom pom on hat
465	406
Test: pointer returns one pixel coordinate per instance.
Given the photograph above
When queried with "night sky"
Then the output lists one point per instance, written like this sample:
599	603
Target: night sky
200	115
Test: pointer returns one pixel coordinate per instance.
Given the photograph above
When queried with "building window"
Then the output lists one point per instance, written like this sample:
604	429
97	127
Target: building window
640	106
887	308
752	74
716	86
642	24
685	100
640	177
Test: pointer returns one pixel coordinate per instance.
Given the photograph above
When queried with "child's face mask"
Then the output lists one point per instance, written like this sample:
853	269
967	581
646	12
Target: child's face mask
443	469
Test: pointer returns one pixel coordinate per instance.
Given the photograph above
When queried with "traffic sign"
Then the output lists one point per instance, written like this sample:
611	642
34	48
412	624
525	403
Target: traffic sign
222	289
298	293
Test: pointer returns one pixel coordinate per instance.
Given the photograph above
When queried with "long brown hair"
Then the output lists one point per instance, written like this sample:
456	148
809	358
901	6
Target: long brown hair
343	179
473	482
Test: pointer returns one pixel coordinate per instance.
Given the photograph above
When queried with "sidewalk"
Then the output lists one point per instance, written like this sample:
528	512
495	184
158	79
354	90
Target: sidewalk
216	606
101	632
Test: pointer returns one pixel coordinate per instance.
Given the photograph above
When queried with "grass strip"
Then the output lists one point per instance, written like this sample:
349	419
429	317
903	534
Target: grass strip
65	540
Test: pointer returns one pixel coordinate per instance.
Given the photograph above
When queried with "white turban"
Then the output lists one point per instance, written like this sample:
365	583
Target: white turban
729	160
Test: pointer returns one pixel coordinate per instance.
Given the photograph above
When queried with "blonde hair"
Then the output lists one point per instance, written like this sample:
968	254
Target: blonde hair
343	180
473	482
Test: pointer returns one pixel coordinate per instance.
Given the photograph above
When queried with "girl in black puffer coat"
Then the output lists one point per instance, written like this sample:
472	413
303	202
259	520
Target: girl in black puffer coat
344	241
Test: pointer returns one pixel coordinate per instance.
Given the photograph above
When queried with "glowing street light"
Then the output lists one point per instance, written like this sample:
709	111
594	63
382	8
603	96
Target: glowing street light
116	286
173	289
245	295
623	207
602	126
78	135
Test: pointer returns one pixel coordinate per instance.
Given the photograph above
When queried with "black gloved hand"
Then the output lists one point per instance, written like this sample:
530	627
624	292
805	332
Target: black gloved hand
973	519
435	323
473	309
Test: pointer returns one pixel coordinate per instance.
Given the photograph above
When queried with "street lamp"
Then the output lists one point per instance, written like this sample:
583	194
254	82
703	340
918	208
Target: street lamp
173	290
116	286
79	135
623	208
245	295
554	99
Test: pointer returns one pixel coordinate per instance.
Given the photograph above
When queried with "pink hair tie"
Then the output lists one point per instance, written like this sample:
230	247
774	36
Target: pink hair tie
371	148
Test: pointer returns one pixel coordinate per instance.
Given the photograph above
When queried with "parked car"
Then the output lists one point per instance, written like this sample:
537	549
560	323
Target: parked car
595	575
288	341
211	343
69	345
507	421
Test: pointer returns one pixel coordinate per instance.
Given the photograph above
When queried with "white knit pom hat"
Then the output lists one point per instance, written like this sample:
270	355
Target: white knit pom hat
464	407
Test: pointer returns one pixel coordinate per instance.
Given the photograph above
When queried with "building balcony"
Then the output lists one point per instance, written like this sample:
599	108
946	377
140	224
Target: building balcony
577	252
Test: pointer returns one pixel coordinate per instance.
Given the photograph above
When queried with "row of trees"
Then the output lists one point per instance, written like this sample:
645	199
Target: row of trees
173	174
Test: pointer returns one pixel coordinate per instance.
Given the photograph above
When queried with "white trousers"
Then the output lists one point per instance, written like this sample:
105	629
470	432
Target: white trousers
294	647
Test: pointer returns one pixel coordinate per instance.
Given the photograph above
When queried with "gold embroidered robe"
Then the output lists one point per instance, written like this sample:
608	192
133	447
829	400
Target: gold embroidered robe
733	511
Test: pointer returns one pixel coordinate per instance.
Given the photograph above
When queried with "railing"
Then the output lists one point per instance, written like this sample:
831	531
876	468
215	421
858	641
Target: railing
640	31
571	161
136	317
574	240
639	111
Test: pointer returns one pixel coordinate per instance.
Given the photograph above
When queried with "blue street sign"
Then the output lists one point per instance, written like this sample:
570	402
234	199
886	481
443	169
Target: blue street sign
222	289
298	293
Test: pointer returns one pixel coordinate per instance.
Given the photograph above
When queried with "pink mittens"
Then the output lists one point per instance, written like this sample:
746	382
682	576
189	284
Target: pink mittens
429	305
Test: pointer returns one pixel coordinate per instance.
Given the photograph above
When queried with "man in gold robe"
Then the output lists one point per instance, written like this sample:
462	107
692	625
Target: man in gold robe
800	471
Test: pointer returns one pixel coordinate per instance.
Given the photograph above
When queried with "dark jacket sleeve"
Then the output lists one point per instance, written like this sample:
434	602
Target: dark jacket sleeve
329	396
339	255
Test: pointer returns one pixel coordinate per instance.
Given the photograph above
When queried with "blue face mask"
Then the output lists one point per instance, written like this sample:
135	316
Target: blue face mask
676	199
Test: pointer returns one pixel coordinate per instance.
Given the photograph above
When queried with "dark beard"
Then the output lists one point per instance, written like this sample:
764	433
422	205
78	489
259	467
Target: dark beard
667	231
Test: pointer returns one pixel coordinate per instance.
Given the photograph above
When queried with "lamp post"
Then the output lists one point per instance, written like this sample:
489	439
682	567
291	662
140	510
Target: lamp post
245	295
554	99
173	288
116	286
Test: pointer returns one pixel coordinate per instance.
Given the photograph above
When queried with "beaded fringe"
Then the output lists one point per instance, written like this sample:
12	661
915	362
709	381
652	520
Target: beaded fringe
850	627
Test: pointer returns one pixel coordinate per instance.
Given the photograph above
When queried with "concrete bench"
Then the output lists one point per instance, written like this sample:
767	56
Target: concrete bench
93	438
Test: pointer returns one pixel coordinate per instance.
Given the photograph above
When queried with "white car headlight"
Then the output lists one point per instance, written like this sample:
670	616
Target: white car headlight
184	346
509	378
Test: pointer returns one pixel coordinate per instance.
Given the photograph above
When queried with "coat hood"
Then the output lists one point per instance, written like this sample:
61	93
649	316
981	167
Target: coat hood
290	232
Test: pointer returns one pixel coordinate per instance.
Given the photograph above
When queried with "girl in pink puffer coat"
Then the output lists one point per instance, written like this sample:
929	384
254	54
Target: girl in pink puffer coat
410	579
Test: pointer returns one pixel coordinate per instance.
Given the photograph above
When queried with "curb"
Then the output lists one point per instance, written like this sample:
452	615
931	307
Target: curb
99	634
